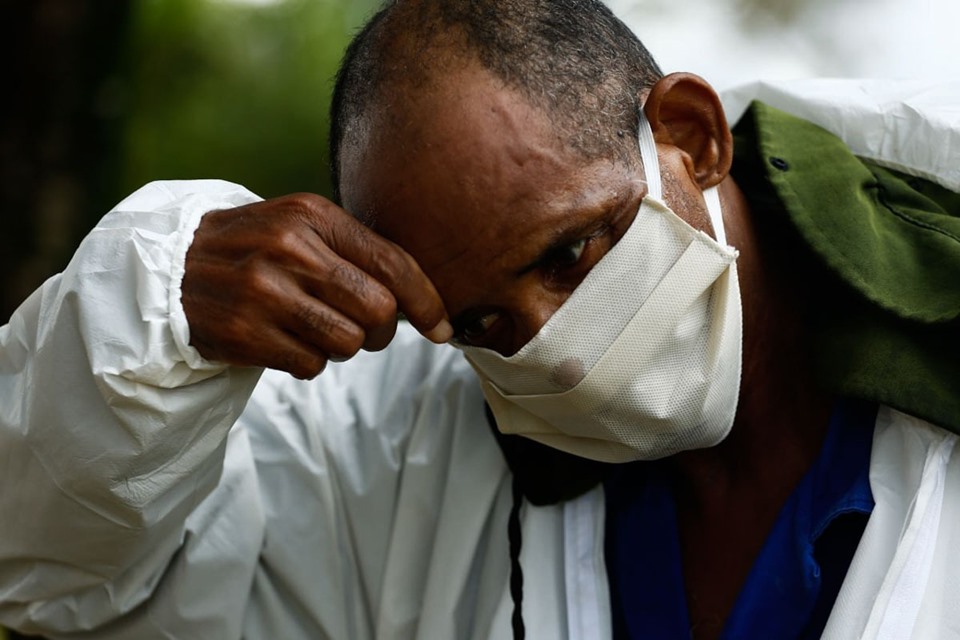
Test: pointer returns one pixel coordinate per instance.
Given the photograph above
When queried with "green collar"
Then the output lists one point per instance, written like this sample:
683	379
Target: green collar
886	261
893	238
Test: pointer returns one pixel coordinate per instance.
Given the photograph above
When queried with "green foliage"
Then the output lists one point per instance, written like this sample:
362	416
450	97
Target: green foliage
238	91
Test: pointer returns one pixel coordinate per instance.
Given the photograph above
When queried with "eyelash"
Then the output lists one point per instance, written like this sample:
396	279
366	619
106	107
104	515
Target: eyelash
463	332
559	258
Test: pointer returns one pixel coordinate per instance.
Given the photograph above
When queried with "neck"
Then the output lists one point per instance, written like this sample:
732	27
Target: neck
729	496
781	416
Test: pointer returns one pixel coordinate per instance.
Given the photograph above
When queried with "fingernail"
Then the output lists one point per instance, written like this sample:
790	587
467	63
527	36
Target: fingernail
440	333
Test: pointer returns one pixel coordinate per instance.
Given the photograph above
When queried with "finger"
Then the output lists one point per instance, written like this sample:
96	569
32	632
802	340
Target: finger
275	310
360	298
296	357
380	337
346	288
353	293
321	326
390	265
275	349
317	270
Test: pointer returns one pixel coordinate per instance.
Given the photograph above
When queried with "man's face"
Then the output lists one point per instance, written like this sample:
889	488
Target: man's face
480	189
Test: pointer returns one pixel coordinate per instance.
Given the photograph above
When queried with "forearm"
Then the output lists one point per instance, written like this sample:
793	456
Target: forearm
112	429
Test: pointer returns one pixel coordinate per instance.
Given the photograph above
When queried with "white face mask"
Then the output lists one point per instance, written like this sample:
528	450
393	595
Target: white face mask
643	359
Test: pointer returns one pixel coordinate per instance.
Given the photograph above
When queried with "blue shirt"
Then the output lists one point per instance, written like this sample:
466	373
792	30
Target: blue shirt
794	581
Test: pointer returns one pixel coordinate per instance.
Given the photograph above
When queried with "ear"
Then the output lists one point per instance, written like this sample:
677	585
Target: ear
685	112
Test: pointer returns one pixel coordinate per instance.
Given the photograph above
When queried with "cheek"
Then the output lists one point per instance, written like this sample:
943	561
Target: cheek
527	309
685	198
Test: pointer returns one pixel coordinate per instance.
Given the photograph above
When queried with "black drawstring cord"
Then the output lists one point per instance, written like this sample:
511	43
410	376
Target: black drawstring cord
516	571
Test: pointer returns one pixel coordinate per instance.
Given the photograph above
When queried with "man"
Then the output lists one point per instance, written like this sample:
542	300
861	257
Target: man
490	149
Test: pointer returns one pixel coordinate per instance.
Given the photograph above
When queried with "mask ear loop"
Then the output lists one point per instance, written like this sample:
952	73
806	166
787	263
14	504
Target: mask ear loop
711	197
651	167
648	155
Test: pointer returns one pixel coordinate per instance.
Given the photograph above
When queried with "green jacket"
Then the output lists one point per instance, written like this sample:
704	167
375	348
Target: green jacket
884	248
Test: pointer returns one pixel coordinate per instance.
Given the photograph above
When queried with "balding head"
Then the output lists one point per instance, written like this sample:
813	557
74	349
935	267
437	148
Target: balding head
571	58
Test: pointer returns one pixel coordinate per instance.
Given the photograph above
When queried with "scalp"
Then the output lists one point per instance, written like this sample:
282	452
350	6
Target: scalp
571	58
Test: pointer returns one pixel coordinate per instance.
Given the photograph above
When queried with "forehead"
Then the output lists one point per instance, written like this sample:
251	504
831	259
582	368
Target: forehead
464	124
469	178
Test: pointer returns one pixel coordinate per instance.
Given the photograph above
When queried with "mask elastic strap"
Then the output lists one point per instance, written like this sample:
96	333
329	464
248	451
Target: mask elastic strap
651	166
648	154
711	197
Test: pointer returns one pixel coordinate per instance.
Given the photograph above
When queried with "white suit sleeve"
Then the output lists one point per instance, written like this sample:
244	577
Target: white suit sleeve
112	428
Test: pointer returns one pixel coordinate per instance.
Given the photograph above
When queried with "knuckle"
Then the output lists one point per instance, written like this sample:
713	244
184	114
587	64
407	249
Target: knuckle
309	208
348	277
313	320
286	241
232	335
380	337
259	286
384	310
377	303
301	201
343	337
349	234
350	342
313	201
304	365
395	268
252	276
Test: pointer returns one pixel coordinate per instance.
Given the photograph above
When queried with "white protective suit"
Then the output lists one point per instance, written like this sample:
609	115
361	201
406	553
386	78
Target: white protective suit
150	494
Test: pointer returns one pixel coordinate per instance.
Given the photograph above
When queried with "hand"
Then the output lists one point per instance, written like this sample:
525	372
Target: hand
293	282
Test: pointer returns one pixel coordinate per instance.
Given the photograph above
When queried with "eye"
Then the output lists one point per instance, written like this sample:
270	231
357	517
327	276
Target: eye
567	255
473	329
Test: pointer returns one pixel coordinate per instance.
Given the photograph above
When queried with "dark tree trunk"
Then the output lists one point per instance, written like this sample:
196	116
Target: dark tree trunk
62	100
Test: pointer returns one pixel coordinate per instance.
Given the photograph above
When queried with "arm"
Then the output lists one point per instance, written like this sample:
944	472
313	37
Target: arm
113	427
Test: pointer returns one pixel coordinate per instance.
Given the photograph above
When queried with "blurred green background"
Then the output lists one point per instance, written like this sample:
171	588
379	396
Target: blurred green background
103	97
